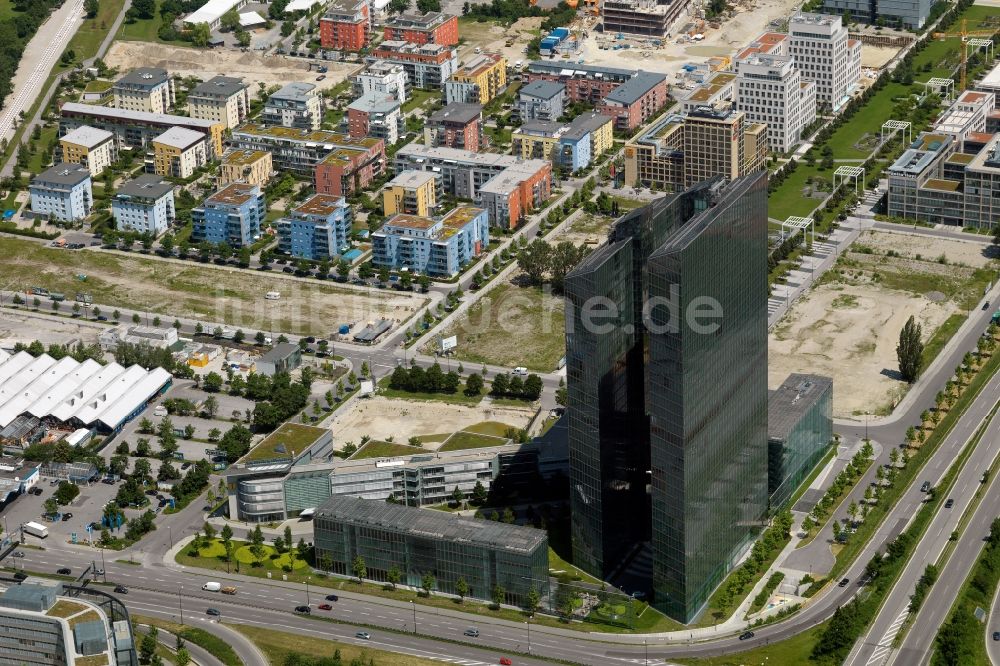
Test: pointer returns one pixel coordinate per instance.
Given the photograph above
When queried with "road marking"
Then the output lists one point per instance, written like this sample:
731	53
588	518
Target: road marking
884	646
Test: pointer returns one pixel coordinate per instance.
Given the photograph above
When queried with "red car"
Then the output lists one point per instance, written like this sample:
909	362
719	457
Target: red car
505	661
324	606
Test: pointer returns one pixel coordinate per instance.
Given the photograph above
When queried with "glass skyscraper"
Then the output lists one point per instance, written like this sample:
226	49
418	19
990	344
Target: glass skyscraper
667	402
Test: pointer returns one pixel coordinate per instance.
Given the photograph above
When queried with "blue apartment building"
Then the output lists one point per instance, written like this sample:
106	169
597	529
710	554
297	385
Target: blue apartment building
317	230
233	215
63	192
437	247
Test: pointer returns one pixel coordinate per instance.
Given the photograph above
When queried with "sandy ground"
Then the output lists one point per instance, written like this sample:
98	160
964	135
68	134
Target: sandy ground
876	57
380	417
491	37
967	253
254	67
850	333
25	327
588	228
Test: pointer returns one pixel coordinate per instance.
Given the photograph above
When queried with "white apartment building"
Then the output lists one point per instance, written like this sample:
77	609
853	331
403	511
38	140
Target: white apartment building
825	55
770	90
296	105
381	79
223	99
148	89
145	204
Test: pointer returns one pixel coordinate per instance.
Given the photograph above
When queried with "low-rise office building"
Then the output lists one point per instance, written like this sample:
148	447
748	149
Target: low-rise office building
717	89
426	65
455	126
478	81
317	229
346	26
438	248
412	193
297	105
148	89
382	78
135	129
485	554
283	357
94	148
221	99
63	192
799	432
156	337
179	152
541	100
232	215
377	117
246	166
428	28
145	205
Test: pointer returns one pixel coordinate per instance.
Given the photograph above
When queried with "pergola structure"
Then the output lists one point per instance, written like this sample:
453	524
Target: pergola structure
890	127
939	83
856	174
797	224
979	43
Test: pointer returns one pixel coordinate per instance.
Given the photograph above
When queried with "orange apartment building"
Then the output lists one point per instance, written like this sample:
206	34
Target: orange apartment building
429	28
346	26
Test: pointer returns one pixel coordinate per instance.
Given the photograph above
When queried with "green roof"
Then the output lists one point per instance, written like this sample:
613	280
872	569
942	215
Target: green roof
289	440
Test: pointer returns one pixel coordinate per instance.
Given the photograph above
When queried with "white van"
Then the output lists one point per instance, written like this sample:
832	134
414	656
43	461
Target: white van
159	410
272	295
520	372
212	587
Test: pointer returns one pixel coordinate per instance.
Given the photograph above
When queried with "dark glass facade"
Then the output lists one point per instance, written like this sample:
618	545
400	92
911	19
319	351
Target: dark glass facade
668	425
799	432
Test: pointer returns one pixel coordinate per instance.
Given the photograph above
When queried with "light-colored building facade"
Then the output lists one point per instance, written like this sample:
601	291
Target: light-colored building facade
412	193
179	152
340	164
222	99
135	129
296	105
377	117
821	47
63	192
770	90
148	89
541	100
317	230
478	81
145	205
426	65
381	78
246	166
94	148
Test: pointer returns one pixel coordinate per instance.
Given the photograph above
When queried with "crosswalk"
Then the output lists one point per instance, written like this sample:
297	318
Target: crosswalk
885	645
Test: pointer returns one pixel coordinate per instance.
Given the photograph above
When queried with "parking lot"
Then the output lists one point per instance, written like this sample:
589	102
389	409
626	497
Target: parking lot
87	507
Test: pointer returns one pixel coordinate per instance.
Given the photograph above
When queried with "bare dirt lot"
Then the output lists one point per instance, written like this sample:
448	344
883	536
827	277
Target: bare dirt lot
26	327
198	291
253	67
848	326
380	417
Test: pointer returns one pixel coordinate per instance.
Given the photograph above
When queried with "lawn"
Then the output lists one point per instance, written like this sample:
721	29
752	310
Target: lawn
214	645
458	397
795	650
557	563
7	10
63	608
376	449
42	157
494	428
512	326
98	86
941	337
92	31
93	660
418	98
463	440
787	200
288	440
147	31
277	646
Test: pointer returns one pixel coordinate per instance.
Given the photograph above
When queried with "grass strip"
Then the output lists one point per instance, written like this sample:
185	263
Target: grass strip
214	645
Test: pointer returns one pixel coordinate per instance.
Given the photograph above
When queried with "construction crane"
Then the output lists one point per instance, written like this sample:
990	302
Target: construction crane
965	33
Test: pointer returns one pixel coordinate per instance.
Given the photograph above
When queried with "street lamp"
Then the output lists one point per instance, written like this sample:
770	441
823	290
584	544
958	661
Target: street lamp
180	604
414	607
529	634
866	425
645	651
308	578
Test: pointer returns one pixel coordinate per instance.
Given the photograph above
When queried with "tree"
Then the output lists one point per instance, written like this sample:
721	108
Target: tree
461	587
212	382
211	406
474	385
200	34
147	646
230	20
498	594
182	658
479	493
531	603
51	506
257	544
508	516
393	576
359	569
427	583
91	7
910	350
144	9
836	530
457	496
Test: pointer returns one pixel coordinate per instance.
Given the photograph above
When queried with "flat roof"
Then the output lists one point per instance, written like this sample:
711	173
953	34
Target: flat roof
64	174
461	216
180	137
425	523
542	89
87	136
145	76
211	11
374	103
411	221
992	79
147	185
233	194
137	116
335	139
288	441
296	91
787	404
573	70
412	178
417	21
244	157
317	204
479	64
223	86
457	112
942	185
632	90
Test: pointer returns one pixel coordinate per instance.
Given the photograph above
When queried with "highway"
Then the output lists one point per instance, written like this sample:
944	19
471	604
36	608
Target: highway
875	648
918	644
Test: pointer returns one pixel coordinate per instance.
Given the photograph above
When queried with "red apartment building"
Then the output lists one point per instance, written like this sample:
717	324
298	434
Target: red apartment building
350	168
429	28
455	126
636	101
346	26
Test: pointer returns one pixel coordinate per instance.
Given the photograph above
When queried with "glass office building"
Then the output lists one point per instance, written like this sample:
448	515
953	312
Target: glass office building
417	542
799	432
667	424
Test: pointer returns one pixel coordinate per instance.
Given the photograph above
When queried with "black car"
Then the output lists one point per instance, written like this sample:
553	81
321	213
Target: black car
64	571
213	611
121	589
185	465
67	516
996	635
305	610
20	575
746	635
949	503
288	269
310	339
151	493
844	582
332	597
